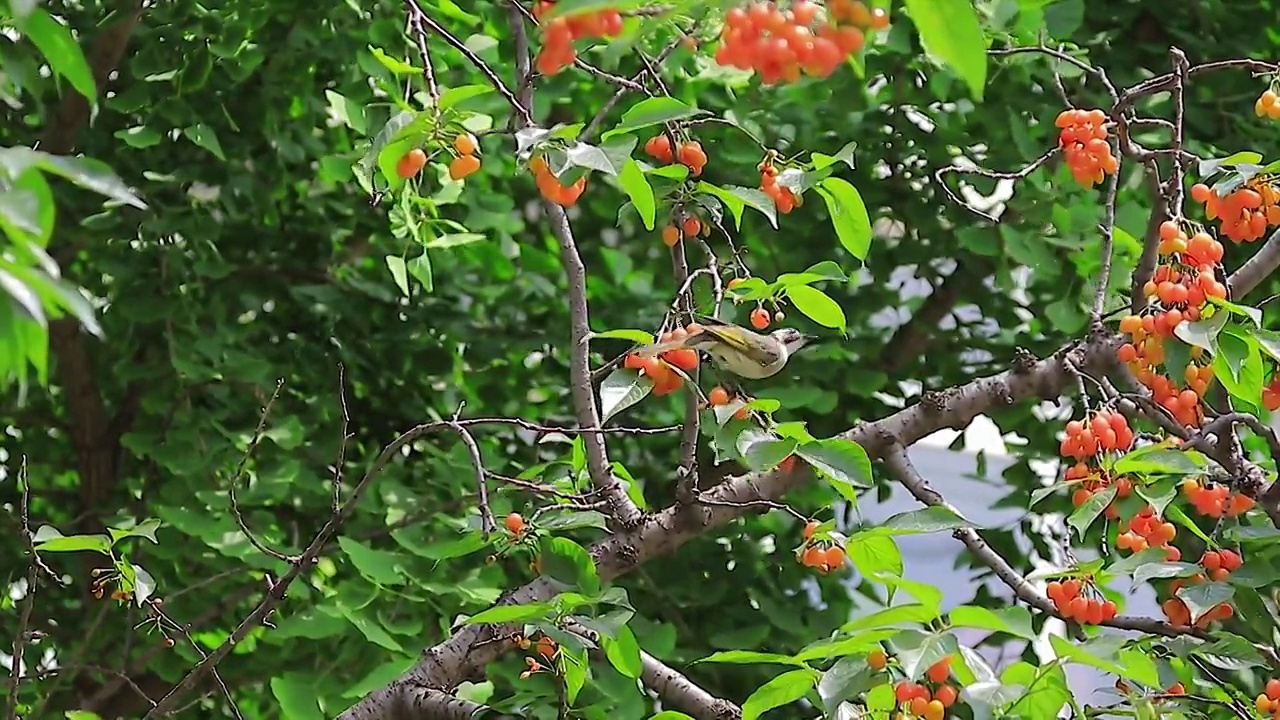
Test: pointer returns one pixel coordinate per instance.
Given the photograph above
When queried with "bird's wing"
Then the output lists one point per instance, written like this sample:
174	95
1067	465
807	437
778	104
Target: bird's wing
708	320
736	337
659	348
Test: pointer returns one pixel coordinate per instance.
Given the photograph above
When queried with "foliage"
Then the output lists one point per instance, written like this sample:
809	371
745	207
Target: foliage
338	389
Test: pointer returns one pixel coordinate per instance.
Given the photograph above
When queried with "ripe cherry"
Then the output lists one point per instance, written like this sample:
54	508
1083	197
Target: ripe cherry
515	523
466	143
810	527
463	166
411	163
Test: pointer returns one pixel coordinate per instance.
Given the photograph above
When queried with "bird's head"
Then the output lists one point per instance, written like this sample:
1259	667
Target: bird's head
792	339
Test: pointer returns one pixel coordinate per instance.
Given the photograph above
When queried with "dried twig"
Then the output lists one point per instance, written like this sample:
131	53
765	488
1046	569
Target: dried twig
29	599
258	433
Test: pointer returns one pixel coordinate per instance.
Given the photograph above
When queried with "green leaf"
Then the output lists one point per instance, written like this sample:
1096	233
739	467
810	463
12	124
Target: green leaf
452	240
1237	364
54	41
140	137
928	520
846	680
570	563
1209	166
443	550
817	306
620	390
670	715
637	187
782	690
575	674
839	460
458	95
623	652
609	159
420	269
1014	620
848	214
1163	569
873	554
1253	314
379	566
1130	564
577	7
48	539
762	450
296	693
652	111
501	614
636	336
845	155
1082	517
1103	652
397	67
1201	333
203	136
1268	341
380	676
738	198
1200	598
949	30
20	215
1174	513
917	651
145	529
898	616
399	272
1160	460
859	643
90	174
351	113
573	520
750	657
825	270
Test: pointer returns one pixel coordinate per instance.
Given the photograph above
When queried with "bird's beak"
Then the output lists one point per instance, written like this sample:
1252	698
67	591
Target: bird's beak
808	340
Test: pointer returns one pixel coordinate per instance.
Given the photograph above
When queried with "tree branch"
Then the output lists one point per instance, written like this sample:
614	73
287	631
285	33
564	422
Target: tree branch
448	663
683	694
584	401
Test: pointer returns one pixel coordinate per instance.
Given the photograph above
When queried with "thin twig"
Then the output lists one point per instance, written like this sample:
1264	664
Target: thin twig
1108	232
487	523
277	589
992	174
29	599
472	58
336	500
424	50
258	433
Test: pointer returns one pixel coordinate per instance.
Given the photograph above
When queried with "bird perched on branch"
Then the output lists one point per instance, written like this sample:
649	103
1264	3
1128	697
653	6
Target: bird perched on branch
737	350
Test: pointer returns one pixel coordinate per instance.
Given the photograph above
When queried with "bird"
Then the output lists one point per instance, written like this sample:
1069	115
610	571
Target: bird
734	349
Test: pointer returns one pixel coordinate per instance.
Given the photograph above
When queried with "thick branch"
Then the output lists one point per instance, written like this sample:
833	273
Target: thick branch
900	465
683	694
1257	268
451	661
